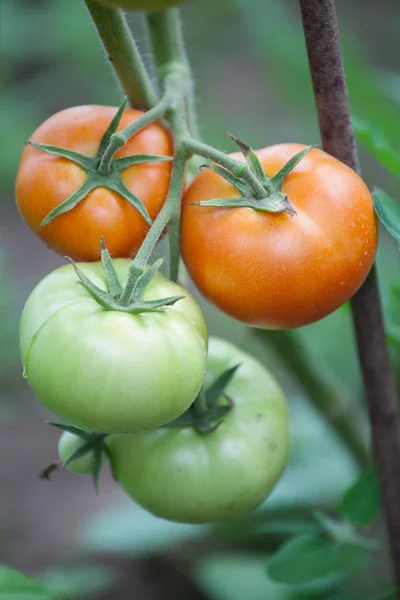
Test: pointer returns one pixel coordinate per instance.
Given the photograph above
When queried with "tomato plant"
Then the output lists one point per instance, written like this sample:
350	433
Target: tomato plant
278	270
45	181
147	5
183	475
109	370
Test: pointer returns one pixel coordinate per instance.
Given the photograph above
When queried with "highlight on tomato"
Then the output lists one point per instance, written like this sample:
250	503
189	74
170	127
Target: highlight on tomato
110	362
286	259
183	474
65	199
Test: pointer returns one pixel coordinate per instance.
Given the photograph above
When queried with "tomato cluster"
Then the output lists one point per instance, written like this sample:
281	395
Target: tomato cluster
194	433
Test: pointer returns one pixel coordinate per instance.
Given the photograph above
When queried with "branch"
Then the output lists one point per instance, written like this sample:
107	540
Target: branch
323	46
123	54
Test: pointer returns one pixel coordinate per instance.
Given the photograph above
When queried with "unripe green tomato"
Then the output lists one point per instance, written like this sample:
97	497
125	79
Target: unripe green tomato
147	5
182	475
67	445
110	371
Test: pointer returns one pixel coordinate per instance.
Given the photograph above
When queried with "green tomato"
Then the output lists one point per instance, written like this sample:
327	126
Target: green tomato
147	5
111	371
67	445
183	475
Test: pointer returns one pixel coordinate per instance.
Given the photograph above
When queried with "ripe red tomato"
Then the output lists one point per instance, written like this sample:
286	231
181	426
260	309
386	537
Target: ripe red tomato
44	181
271	269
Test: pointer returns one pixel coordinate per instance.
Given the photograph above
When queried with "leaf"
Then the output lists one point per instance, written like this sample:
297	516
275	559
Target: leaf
238	576
376	144
113	284
112	127
78	581
131	531
85	435
218	387
309	559
388	211
361	503
16	586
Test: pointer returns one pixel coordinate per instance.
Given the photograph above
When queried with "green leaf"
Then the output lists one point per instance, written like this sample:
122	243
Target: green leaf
97	464
252	160
278	179
112	128
69	203
388	211
136	159
80	159
131	531
78	581
113	284
123	191
362	502
232	179
311	559
144	279
16	586
376	144
85	435
217	388
237	576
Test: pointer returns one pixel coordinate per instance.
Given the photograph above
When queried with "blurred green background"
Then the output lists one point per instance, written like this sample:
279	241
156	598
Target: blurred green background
251	74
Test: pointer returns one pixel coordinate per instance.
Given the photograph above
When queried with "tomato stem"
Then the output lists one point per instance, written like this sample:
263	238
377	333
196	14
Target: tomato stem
123	54
326	65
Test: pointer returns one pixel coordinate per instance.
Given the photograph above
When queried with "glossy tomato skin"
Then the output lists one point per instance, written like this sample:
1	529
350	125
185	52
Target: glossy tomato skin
67	445
182	475
273	270
44	181
110	371
147	5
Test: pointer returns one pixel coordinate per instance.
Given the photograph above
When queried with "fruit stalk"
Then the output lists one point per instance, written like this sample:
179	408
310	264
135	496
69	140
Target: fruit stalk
123	54
326	65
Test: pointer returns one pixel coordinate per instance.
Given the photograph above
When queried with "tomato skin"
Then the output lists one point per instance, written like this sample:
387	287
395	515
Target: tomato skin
182	475
44	181
110	371
67	445
147	5
274	270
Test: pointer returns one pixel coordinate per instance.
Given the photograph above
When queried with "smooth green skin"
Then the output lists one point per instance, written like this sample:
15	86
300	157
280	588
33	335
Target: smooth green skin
182	475
67	445
110	371
147	5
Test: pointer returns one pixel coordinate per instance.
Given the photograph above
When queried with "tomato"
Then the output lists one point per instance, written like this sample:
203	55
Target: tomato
111	371
44	181
147	5
274	270
183	475
67	445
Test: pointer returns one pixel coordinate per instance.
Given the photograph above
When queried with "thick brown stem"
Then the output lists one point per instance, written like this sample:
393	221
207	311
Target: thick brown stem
323	46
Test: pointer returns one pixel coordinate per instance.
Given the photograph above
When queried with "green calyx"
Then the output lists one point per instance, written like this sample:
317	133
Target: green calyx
258	191
92	442
103	170
128	298
210	407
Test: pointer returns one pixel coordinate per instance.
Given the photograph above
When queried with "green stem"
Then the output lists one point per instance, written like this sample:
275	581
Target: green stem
123	54
321	395
167	43
120	138
200	404
236	167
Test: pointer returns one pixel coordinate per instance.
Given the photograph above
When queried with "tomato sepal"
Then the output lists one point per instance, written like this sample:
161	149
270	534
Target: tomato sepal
128	299
97	174
207	413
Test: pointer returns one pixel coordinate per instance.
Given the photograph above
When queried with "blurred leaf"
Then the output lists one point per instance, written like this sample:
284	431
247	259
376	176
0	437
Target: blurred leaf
132	531
16	586
238	576
311	559
362	502
388	211
376	144
71	582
